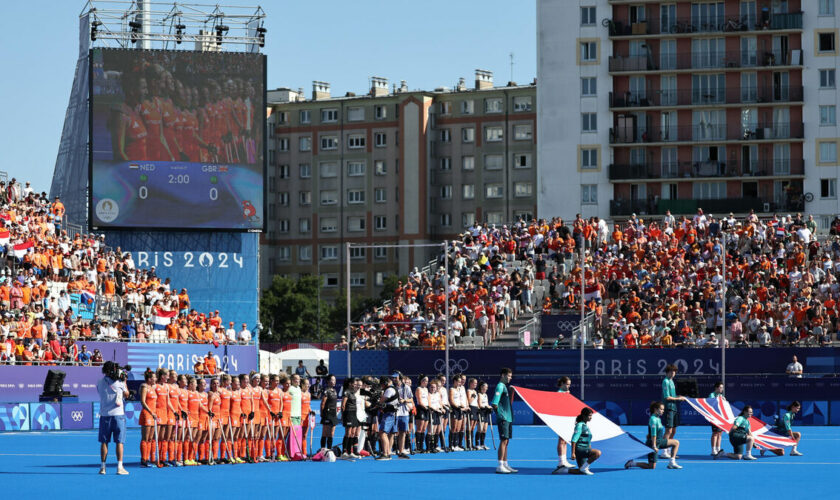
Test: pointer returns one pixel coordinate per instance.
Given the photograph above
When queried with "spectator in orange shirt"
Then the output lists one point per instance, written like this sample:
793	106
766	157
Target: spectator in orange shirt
210	363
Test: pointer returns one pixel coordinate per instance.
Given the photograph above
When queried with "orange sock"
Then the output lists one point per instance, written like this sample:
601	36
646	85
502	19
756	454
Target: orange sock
277	448
203	452
172	448
267	447
144	451
161	449
193	450
215	449
180	451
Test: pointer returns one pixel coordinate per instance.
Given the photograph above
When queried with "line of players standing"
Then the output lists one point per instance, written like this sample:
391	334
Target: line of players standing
166	119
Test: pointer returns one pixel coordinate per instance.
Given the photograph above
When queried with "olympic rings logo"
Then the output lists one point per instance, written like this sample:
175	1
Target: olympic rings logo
455	366
566	326
77	415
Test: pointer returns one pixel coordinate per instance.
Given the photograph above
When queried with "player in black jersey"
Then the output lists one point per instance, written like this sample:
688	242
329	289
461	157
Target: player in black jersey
329	411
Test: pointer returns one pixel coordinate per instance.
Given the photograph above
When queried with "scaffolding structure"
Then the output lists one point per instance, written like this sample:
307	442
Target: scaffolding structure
167	25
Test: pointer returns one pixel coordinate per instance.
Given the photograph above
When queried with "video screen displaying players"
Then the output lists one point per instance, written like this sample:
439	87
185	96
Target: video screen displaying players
177	140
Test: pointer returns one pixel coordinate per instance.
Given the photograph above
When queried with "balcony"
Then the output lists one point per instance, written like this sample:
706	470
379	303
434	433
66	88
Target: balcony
703	25
714	59
652	206
710	133
707	169
690	97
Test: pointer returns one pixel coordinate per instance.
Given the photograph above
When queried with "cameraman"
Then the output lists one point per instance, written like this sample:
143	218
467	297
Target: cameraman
112	391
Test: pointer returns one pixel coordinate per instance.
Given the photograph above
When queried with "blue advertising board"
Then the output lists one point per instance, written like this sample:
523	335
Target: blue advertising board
14	417
219	270
618	362
76	416
555	325
44	416
182	357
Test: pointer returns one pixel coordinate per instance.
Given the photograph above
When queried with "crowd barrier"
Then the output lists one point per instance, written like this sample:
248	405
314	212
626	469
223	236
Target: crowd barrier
25	383
67	416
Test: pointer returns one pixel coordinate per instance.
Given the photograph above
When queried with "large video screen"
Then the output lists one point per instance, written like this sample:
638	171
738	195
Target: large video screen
177	140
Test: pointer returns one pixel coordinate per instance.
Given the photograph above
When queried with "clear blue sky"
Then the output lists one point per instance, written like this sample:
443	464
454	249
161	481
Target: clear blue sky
429	44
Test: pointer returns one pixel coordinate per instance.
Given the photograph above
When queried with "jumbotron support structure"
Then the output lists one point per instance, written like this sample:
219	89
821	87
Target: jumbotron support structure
167	25
205	262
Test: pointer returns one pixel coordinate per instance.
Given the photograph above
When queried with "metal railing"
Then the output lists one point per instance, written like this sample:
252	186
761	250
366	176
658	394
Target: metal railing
703	24
710	168
703	97
633	134
654	60
624	207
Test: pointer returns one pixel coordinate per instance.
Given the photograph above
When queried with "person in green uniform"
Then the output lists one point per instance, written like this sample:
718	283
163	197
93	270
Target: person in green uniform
563	385
582	452
717	432
740	437
783	426
656	439
672	405
504	419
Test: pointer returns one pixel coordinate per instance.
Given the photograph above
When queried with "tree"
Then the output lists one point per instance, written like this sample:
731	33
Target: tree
290	309
358	305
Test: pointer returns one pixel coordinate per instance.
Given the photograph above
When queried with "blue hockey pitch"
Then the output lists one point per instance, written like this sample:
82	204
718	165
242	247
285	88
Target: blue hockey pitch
64	464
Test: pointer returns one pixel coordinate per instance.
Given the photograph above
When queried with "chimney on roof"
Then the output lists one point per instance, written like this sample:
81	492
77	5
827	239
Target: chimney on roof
403	86
483	79
462	84
378	86
320	90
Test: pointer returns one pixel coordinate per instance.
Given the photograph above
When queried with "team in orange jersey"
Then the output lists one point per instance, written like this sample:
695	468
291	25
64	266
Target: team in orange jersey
230	419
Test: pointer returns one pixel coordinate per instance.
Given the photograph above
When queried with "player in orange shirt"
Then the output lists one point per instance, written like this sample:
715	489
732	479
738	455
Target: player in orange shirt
275	407
256	422
235	421
203	415
214	432
265	419
192	421
184	400
164	410
148	416
224	417
286	420
247	416
174	417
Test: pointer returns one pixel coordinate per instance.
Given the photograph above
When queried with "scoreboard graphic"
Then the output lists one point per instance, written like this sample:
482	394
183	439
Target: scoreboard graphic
177	140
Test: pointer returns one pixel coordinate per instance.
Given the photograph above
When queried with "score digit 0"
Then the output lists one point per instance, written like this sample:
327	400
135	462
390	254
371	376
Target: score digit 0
214	194
143	192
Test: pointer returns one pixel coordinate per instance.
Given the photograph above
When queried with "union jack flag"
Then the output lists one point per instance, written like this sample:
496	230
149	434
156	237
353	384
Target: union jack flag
718	412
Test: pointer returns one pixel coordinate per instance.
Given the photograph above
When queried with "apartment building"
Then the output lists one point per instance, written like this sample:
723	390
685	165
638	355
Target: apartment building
393	166
721	105
483	145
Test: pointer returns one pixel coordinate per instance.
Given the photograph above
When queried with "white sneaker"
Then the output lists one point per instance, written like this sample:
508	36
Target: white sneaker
749	457
795	453
501	469
665	454
674	465
587	472
561	469
121	471
102	471
510	468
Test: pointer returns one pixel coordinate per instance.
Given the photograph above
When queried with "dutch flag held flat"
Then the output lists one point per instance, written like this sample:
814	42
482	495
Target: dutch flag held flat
163	318
4	236
559	409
